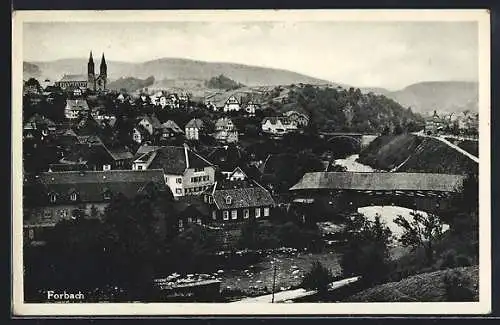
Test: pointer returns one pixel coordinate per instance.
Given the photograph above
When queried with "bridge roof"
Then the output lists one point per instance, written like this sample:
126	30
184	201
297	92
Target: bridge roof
379	181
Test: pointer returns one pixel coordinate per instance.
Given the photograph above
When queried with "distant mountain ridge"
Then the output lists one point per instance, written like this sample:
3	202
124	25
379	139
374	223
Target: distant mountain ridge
175	68
425	97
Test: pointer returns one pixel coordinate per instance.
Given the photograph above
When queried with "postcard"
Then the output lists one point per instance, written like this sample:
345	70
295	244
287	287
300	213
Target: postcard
251	162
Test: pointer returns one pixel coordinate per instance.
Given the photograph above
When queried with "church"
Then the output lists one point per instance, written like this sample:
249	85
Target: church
88	82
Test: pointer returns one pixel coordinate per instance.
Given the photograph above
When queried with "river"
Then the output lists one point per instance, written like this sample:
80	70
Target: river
352	165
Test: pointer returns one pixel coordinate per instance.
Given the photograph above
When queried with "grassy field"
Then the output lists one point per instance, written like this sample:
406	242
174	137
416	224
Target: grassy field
426	287
409	153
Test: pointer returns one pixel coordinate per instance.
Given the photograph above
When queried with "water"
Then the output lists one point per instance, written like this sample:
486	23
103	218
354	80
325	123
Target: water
352	165
388	214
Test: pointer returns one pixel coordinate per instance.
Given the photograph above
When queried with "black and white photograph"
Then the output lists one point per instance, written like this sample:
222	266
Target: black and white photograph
251	162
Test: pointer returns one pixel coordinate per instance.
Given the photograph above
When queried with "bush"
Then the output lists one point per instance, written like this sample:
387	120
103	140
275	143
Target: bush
319	277
457	287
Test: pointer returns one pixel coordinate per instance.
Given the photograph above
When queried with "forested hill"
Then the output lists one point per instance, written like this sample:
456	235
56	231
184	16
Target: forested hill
338	109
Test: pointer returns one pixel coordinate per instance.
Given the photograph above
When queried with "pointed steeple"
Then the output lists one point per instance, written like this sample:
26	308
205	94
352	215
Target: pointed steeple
103	68
90	65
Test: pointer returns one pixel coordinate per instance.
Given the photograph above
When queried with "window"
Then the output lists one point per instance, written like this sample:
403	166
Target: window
107	195
31	234
178	191
190	220
225	215
228	200
47	214
63	213
266	212
180	224
205	198
196	170
52	198
257	212
210	199
246	214
139	167
73	197
234	214
178	180
198	221
106	167
214	215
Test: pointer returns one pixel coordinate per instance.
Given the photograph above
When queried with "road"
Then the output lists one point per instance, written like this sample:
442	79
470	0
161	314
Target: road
457	148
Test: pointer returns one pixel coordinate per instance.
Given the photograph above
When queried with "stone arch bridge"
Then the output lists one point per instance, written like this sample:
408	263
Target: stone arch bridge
358	140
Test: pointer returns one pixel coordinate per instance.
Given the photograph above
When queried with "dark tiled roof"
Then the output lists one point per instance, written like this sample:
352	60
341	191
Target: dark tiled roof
274	120
172	126
244	194
153	120
92	154
173	160
227	158
42	120
120	153
90	186
77	104
380	181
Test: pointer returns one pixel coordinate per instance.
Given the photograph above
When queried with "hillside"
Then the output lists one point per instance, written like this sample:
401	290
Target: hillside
410	153
445	96
130	84
173	68
428	287
30	71
337	109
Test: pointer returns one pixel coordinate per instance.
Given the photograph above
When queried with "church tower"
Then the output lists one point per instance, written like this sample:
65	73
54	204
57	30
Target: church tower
90	73
103	74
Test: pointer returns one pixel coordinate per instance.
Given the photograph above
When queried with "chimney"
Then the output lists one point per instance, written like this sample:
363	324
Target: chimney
186	148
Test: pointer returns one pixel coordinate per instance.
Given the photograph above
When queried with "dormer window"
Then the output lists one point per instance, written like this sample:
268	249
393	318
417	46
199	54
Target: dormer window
107	195
73	196
52	198
229	199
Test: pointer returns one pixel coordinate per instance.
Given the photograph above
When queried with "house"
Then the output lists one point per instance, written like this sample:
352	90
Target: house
39	123
170	129
226	158
232	104
94	156
87	125
251	107
277	125
140	134
186	172
238	199
151	123
194	128
191	210
122	157
75	108
434	124
54	196
225	130
299	118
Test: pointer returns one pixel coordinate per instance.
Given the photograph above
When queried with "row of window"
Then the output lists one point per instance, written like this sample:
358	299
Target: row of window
196	189
246	214
74	196
63	213
199	179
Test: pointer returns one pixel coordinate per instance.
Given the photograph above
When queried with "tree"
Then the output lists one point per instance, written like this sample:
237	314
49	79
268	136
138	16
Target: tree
422	231
318	278
367	250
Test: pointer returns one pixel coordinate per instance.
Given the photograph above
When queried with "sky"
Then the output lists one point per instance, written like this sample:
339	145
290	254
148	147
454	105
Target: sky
390	55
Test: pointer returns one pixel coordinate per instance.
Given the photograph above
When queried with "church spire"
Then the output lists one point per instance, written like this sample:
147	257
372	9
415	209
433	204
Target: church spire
103	68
